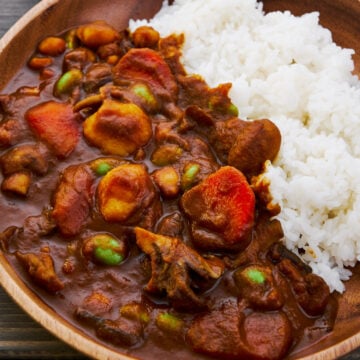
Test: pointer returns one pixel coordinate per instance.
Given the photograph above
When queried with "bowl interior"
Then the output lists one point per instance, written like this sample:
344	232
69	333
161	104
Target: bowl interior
54	16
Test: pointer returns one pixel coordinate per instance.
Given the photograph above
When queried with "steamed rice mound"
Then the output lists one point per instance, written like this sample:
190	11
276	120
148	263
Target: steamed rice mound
288	69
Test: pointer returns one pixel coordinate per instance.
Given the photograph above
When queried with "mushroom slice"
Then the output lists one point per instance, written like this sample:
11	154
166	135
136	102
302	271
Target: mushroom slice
171	262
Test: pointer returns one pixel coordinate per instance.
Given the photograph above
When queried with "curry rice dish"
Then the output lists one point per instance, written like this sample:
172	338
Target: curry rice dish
147	218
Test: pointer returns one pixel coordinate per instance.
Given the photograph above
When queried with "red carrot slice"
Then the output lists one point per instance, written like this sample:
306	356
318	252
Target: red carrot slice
221	210
147	65
55	124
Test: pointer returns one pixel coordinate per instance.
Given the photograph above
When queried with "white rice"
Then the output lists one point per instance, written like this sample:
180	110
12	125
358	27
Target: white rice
287	69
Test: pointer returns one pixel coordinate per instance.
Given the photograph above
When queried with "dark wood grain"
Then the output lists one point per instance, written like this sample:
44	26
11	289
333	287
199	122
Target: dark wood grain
20	336
23	338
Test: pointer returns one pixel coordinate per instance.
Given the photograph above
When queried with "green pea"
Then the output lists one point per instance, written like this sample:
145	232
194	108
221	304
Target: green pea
135	311
223	108
189	175
68	81
104	249
233	110
169	322
144	92
107	251
71	39
108	256
166	155
103	168
256	276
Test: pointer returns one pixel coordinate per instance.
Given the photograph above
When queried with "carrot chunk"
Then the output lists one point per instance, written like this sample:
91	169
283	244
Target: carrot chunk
55	124
221	210
148	66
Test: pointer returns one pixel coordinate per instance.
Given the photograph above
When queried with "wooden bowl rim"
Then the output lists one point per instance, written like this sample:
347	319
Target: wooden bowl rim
45	315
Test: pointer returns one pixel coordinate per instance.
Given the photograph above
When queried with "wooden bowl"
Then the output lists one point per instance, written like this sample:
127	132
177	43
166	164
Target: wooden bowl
53	16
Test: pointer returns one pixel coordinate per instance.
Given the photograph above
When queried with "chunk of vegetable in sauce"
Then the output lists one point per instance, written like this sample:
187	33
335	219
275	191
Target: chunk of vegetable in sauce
221	210
104	249
96	34
124	191
118	128
52	45
55	123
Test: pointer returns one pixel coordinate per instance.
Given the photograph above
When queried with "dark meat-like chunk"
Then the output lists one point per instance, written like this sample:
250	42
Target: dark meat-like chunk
23	239
72	200
279	252
171	262
97	75
121	331
223	135
267	232
96	305
212	104
258	141
221	210
126	330
267	335
218	333
171	225
226	333
32	157
78	59
10	132
310	290
40	267
245	145
257	285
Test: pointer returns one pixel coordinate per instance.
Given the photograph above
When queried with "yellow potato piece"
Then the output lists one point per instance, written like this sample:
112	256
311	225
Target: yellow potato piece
118	128
122	191
17	183
96	34
167	180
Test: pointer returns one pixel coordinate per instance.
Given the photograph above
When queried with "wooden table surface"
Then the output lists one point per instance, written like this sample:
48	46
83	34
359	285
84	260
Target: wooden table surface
20	336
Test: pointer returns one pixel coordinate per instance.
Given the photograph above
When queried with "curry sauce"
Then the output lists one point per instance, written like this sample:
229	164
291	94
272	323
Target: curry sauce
132	204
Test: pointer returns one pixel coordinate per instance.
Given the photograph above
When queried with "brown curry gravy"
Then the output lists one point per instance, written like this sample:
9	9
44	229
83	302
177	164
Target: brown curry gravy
193	118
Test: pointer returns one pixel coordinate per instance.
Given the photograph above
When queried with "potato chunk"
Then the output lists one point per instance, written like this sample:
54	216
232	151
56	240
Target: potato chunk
17	183
118	128
124	192
96	34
